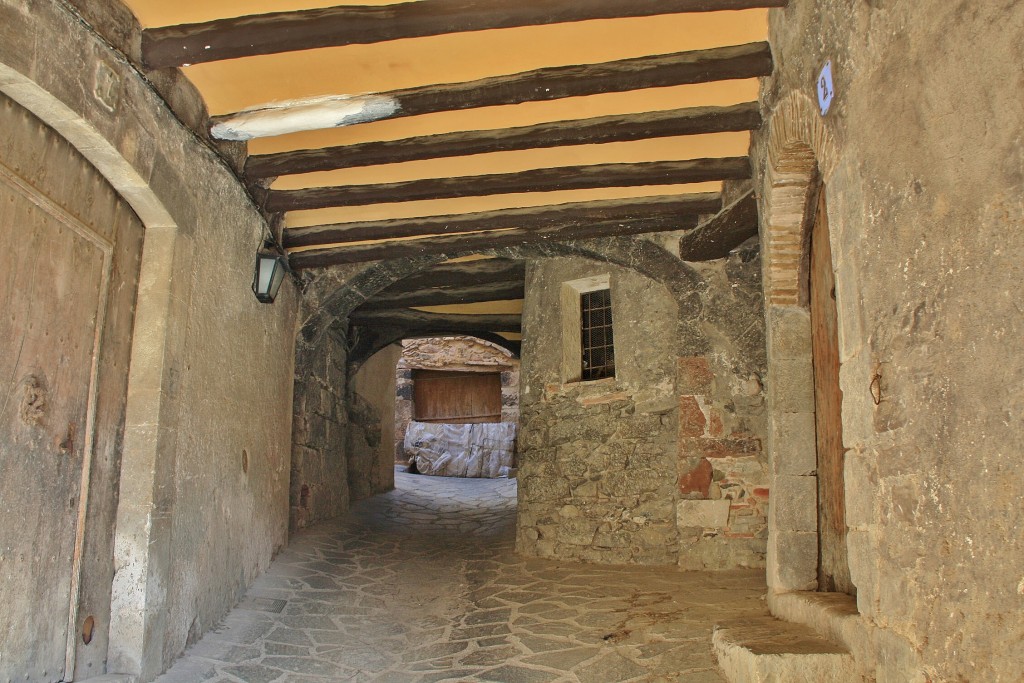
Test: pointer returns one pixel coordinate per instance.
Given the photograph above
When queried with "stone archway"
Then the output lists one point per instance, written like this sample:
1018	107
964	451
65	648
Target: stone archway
801	157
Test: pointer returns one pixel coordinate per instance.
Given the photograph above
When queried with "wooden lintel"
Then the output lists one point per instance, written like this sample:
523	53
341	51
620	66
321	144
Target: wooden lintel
562	216
456	245
502	291
719	235
539	180
276	32
411	320
599	130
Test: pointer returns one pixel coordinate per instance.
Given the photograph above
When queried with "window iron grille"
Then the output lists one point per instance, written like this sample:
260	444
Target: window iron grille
597	346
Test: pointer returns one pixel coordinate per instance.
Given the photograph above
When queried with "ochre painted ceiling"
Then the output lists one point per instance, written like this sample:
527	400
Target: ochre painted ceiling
235	84
232	85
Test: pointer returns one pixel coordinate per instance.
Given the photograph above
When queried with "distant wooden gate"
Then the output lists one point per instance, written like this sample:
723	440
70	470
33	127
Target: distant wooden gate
456	397
833	562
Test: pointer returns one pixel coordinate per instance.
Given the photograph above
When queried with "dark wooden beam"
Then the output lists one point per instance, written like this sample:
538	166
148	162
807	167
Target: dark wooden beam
464	274
502	291
555	83
276	32
454	245
539	180
412	321
600	130
563	216
730	228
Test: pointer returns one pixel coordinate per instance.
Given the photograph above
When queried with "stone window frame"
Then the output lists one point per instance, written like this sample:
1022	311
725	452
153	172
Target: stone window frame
572	292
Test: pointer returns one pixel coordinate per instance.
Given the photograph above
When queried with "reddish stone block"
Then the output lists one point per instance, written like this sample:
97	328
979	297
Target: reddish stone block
697	480
695	375
691	418
720	448
716	428
761	493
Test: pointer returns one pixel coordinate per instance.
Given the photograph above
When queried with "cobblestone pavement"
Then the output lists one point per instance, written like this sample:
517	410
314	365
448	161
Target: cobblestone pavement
423	584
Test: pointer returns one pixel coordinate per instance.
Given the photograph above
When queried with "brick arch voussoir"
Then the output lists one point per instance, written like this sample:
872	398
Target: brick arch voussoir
800	152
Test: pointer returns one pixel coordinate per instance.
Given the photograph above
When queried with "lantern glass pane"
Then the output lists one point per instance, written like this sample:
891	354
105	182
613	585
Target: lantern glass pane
277	278
267	268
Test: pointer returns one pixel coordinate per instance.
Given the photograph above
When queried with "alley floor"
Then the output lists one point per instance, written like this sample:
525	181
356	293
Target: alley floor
423	584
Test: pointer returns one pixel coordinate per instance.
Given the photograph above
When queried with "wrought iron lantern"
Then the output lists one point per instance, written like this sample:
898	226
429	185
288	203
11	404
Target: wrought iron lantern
270	270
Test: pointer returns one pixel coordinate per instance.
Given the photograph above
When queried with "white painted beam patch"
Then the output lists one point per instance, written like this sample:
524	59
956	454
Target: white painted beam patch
281	118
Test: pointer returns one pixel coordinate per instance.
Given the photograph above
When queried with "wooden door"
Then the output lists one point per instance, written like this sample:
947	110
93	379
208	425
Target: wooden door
53	298
456	397
833	565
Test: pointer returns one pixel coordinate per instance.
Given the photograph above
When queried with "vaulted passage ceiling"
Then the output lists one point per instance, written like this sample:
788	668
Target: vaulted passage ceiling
493	122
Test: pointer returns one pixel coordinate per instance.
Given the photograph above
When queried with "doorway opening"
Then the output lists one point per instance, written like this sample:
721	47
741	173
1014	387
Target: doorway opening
833	556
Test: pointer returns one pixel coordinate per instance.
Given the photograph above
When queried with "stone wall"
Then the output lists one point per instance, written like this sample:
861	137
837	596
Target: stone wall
372	425
202	501
921	157
661	464
319	464
723	478
455	354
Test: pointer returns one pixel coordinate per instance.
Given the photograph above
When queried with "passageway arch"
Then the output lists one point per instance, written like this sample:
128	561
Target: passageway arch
708	307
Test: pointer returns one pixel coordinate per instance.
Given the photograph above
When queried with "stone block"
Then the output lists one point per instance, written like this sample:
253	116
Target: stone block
578	531
744	447
692	421
656	406
858	407
697	480
898	660
848	308
792	561
863	559
789	333
793	448
794	504
791	386
640	427
861	482
709	514
695	375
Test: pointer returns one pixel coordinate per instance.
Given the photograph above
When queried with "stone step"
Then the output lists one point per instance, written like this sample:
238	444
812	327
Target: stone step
767	650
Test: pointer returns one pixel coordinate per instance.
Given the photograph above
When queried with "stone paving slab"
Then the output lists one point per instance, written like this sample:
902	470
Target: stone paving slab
423	584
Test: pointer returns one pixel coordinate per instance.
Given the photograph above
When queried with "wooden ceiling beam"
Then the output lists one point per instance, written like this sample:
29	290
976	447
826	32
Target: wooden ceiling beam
554	83
276	32
539	180
462	274
413	321
454	245
502	291
600	130
576	214
728	229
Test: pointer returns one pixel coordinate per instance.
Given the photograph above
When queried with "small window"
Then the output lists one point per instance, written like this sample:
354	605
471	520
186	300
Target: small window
597	347
586	307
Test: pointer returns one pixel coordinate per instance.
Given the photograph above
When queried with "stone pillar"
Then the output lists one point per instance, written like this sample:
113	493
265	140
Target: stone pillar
142	541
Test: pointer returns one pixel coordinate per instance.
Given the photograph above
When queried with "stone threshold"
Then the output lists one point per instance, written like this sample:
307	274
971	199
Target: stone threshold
834	617
764	649
810	636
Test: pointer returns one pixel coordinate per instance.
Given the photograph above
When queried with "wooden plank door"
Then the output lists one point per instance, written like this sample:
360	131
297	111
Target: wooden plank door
456	397
53	292
833	563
